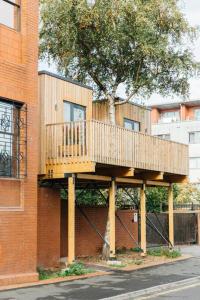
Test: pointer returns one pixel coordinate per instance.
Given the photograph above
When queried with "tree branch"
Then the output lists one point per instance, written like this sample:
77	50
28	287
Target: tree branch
136	81
127	100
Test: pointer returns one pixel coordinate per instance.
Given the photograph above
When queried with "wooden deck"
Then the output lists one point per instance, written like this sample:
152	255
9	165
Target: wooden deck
67	145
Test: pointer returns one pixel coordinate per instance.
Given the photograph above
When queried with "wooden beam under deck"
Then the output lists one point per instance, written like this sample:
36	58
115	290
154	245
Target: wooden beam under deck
93	177
151	175
59	170
176	178
104	180
116	171
129	180
157	183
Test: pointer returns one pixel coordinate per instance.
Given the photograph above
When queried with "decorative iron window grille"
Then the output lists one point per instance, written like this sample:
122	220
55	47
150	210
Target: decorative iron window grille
13	140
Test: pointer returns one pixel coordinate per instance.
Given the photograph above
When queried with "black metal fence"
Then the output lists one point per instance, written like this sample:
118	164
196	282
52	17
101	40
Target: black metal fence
185	228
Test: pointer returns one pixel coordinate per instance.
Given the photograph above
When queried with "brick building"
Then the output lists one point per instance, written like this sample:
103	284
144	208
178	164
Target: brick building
180	122
78	148
18	140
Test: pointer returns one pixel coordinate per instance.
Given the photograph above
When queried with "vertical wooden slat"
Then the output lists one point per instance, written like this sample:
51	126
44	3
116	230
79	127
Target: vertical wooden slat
114	145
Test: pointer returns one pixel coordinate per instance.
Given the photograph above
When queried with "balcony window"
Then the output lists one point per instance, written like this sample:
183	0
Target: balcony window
169	116
197	114
74	112
164	136
195	163
132	125
10	13
12	140
194	137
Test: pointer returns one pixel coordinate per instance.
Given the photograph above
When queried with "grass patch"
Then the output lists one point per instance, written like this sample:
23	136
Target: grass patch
118	266
75	269
164	252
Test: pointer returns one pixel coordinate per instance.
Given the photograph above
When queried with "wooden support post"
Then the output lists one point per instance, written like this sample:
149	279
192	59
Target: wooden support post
171	215
71	219
112	195
143	219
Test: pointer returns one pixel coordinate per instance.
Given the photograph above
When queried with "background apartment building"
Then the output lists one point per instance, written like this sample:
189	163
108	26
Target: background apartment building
180	121
18	140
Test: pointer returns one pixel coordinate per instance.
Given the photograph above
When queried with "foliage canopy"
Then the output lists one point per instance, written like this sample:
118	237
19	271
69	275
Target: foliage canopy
142	44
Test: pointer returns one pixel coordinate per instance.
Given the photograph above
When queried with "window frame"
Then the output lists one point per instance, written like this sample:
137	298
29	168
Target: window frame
166	119
195	114
193	132
72	106
132	122
194	158
161	136
18	6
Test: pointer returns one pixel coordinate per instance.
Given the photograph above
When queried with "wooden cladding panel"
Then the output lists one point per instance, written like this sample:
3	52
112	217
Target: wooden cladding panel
127	110
53	92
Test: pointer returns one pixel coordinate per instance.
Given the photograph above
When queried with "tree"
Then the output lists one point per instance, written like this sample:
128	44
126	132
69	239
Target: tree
141	44
188	193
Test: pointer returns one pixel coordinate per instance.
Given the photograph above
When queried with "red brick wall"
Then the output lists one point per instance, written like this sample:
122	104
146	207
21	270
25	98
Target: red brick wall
52	229
88	242
18	214
48	226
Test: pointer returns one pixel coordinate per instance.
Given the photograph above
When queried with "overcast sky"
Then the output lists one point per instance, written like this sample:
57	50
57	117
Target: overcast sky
191	9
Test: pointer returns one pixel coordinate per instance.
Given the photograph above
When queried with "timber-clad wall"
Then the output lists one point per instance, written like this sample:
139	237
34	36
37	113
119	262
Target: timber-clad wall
53	93
130	111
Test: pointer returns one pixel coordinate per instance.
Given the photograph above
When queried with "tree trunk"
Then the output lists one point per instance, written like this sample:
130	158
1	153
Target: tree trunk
112	119
111	104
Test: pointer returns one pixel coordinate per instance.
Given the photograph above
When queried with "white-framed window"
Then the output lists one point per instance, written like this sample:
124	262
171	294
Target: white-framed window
10	13
195	163
169	116
194	137
197	114
131	125
165	136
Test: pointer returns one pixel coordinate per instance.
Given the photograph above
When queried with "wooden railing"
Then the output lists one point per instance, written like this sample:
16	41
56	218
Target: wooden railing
113	145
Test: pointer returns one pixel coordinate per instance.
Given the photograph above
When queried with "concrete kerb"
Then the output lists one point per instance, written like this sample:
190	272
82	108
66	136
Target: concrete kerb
156	289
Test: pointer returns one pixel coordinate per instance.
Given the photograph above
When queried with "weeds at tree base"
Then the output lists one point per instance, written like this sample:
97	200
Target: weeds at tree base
75	269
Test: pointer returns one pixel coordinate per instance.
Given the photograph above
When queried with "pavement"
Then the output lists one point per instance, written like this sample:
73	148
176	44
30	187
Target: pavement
192	293
116	284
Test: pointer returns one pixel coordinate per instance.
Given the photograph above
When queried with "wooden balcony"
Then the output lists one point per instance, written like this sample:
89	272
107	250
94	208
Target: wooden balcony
81	146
